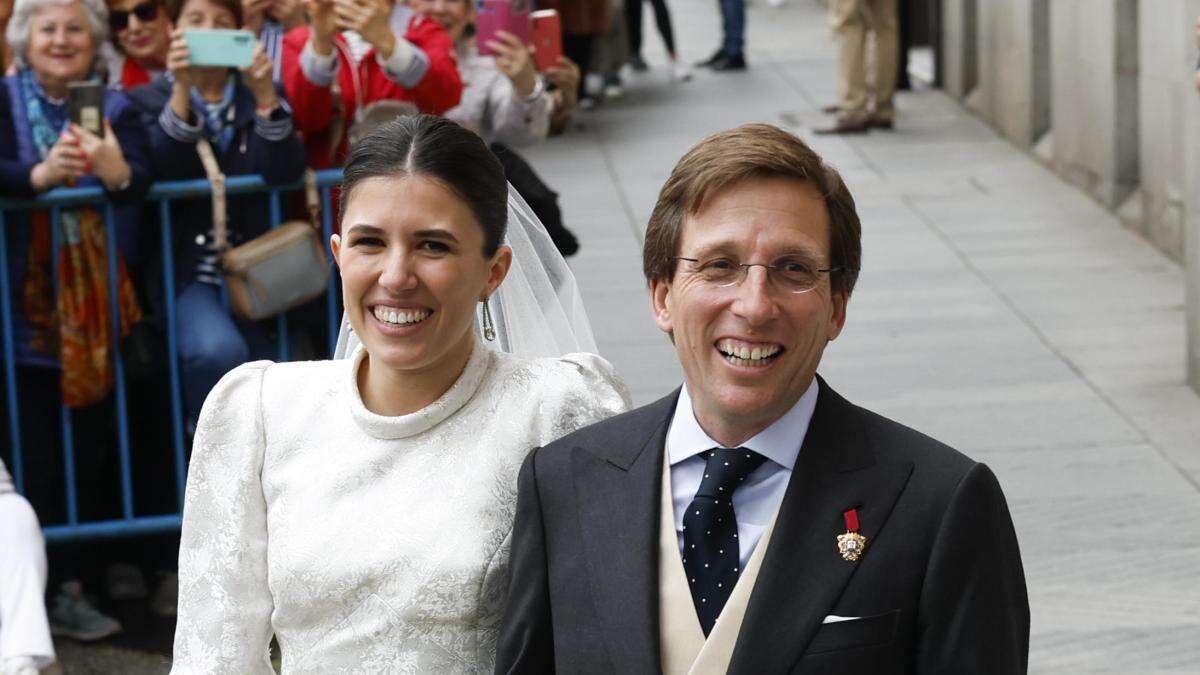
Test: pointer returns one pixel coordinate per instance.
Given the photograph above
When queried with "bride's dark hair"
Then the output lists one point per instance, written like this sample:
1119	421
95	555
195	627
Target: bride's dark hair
435	147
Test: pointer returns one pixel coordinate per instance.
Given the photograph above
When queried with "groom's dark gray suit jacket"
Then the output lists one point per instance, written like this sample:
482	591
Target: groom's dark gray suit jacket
940	588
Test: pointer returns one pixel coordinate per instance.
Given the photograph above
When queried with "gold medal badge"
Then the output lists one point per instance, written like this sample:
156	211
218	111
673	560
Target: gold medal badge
851	544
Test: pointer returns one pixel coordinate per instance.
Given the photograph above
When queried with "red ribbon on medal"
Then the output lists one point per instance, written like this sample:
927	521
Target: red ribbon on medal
851	544
851	518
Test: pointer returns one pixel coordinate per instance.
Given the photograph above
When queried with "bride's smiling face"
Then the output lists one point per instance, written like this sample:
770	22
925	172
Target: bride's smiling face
411	255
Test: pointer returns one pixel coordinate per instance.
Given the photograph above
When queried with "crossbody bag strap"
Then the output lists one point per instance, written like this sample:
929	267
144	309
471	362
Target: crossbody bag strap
220	214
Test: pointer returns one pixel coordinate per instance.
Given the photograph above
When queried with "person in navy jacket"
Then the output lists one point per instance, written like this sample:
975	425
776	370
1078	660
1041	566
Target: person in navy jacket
248	123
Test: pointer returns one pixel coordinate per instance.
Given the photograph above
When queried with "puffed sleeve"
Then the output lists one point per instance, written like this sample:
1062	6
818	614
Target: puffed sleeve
588	389
224	623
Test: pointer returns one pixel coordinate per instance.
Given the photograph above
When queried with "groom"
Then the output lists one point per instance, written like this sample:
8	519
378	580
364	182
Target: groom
754	521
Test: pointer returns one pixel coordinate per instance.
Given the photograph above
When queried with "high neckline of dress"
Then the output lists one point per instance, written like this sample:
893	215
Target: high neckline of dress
386	427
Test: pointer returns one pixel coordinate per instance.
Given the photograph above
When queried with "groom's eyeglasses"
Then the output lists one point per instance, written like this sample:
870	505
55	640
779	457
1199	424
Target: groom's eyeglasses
788	273
118	20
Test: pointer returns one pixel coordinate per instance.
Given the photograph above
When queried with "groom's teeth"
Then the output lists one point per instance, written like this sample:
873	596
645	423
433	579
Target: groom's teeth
741	355
402	317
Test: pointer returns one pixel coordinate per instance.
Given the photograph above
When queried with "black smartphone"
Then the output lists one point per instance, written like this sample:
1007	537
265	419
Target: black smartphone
85	101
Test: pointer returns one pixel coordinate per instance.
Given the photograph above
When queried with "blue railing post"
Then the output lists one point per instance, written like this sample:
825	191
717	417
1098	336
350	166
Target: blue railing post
10	364
281	323
331	294
114	303
168	254
68	449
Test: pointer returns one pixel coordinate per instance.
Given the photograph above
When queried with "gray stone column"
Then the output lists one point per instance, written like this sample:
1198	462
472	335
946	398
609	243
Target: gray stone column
1014	68
960	67
1167	61
1094	59
1191	223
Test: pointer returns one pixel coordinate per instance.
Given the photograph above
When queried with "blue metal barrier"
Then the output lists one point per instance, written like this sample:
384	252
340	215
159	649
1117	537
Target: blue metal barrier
129	523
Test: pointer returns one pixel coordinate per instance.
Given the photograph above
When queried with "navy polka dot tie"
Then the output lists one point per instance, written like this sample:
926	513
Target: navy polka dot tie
710	536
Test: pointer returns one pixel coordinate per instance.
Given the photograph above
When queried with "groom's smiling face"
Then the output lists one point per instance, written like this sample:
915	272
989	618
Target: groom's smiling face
750	350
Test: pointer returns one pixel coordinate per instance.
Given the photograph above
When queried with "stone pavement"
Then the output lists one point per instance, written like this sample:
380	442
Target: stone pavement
999	310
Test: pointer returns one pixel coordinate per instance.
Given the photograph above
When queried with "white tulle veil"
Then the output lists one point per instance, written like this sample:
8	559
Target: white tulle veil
537	310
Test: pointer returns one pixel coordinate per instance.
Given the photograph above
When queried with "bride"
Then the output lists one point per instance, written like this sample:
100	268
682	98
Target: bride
360	510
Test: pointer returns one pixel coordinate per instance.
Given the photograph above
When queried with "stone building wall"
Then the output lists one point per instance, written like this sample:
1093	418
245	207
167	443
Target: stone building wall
1103	91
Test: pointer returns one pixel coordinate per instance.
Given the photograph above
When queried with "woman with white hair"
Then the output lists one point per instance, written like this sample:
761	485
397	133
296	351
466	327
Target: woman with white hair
25	644
55	43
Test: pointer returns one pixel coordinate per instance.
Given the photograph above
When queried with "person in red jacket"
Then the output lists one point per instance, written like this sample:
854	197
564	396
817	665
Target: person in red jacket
358	52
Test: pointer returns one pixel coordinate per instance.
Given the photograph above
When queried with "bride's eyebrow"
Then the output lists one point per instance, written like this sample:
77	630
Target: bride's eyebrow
366	230
435	233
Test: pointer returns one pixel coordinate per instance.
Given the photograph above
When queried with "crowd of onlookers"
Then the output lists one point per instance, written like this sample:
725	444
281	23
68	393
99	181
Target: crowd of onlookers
322	73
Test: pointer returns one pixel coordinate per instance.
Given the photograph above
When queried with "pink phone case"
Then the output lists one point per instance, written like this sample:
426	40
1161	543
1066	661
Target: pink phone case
497	15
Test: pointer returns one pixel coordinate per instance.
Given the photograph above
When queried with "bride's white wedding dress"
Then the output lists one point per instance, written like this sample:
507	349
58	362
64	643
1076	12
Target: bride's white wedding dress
364	543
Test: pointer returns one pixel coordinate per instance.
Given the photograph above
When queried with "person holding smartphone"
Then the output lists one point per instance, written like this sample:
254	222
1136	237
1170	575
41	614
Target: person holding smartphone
504	98
375	51
248	124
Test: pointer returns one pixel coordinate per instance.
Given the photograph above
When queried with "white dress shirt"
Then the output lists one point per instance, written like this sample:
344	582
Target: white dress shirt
756	500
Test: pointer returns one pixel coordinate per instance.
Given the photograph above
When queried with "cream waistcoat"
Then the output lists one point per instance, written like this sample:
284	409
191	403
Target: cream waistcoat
684	650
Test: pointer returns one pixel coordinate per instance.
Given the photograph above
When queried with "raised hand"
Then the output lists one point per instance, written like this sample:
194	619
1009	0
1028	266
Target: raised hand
287	12
514	59
257	78
65	162
565	76
103	155
323	19
180	67
370	19
253	13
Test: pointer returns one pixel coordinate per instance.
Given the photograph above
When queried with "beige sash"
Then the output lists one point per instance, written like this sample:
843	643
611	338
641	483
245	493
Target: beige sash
684	649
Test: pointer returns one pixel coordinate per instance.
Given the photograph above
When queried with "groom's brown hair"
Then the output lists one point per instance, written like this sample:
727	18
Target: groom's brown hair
725	159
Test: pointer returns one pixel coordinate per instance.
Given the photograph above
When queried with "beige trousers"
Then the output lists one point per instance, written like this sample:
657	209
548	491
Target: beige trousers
860	96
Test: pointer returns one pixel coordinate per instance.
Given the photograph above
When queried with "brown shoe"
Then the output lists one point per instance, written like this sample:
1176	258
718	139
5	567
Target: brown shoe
845	125
881	122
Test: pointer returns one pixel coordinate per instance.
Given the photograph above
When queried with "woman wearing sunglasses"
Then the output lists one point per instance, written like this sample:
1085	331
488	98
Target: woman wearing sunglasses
141	34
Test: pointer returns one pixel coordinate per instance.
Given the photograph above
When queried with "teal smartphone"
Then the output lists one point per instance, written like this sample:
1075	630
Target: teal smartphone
216	47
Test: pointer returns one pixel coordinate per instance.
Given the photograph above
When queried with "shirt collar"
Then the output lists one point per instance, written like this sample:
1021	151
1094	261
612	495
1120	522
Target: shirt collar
780	442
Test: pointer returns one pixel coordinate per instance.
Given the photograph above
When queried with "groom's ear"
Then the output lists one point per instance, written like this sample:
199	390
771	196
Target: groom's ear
660	305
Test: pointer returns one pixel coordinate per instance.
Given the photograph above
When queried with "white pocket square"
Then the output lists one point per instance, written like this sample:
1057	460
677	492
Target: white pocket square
834	618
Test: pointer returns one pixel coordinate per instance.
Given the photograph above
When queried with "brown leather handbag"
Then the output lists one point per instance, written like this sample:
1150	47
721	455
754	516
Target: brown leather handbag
274	272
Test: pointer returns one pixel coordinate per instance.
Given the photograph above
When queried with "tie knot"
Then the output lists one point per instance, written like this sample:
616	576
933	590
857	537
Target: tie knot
725	469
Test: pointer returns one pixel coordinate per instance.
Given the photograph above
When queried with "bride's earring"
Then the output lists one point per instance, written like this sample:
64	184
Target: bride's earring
489	328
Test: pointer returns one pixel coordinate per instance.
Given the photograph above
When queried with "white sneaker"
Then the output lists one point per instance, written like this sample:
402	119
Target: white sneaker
613	91
71	615
680	72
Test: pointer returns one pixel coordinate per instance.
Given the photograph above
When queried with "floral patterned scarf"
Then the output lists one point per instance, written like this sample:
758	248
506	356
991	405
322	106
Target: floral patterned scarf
75	321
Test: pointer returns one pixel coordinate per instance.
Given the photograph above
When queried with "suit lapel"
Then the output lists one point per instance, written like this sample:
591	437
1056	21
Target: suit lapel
803	575
617	483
